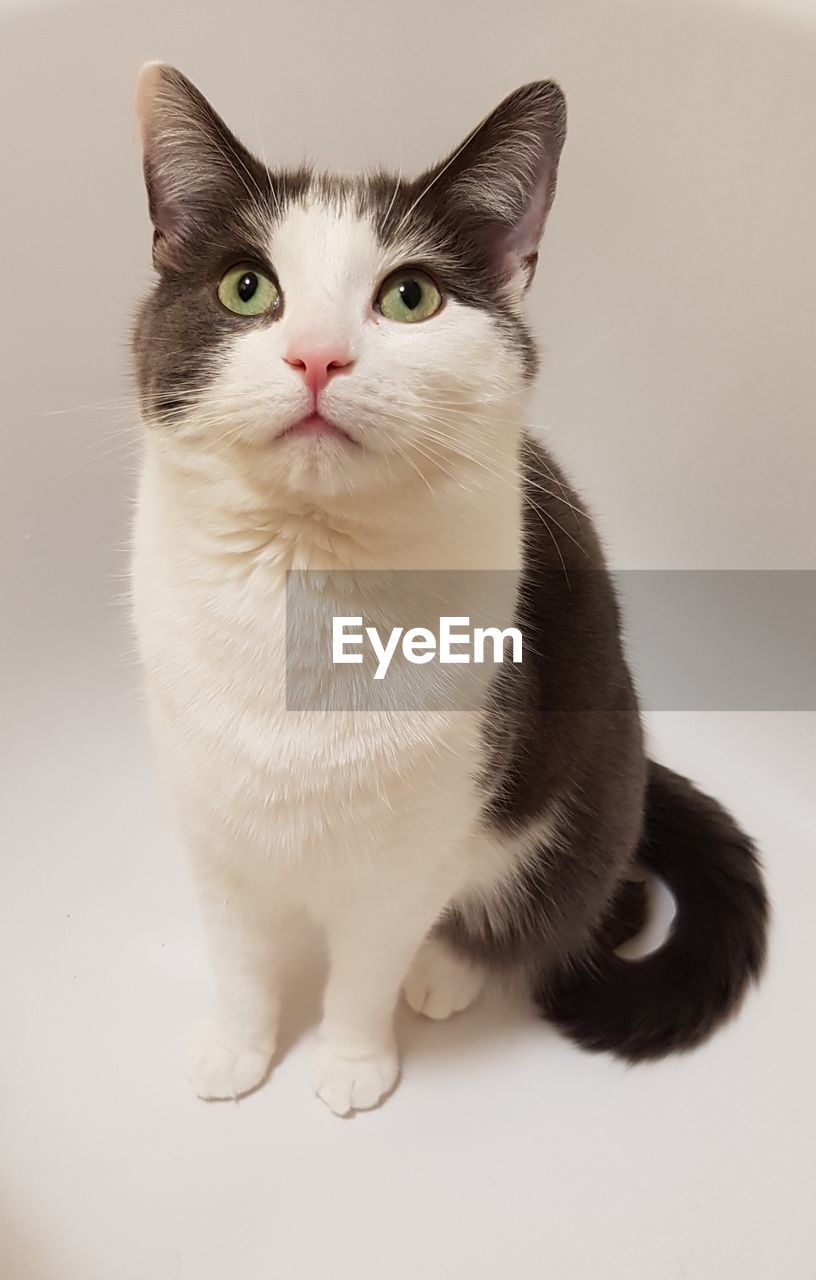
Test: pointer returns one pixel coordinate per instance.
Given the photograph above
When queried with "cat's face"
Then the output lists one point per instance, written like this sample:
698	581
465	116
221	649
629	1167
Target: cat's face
332	336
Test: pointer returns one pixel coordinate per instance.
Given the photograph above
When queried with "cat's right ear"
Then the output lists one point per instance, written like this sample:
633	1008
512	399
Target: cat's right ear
195	168
500	182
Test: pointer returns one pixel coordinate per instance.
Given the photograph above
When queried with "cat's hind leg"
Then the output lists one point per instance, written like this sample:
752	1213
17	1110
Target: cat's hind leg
441	982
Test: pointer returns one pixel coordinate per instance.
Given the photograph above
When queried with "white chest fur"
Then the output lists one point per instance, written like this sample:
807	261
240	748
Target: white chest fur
283	786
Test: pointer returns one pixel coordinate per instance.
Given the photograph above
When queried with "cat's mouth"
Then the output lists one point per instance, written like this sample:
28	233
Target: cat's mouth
315	427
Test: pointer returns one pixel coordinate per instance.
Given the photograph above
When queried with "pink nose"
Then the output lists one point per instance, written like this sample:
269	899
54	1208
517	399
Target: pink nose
318	364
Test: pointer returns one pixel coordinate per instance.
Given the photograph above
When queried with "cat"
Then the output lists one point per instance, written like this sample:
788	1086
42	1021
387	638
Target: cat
334	376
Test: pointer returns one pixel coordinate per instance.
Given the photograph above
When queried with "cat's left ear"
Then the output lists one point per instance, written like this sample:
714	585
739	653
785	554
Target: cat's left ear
195	169
501	181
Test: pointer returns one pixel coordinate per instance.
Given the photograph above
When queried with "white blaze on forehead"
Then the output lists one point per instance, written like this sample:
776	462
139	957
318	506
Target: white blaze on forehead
328	262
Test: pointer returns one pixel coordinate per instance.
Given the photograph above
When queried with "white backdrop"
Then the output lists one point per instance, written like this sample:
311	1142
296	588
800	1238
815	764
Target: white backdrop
676	299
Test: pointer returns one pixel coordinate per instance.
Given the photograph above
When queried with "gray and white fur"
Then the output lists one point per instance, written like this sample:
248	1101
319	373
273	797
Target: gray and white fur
323	433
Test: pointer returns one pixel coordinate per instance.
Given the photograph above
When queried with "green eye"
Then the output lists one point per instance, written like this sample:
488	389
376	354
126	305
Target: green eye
408	295
248	292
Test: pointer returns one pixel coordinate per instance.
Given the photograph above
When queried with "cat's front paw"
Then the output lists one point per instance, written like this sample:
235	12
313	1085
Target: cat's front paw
216	1070
354	1083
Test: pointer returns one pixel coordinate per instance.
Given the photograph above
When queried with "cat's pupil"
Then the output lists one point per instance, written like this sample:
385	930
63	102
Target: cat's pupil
411	293
247	286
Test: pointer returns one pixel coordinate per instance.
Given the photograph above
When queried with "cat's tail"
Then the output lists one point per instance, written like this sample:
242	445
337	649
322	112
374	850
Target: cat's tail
673	998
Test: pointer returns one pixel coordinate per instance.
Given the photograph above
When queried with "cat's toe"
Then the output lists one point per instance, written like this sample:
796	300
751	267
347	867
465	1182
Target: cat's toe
348	1084
440	983
217	1071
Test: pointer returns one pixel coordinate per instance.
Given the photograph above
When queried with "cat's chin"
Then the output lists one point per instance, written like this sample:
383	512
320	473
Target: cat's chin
319	467
316	430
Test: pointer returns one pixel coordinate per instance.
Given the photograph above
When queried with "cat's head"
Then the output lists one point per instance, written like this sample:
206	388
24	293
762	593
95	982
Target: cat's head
340	336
